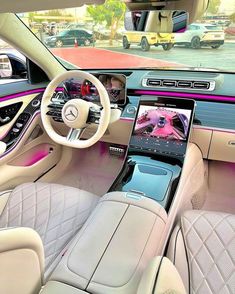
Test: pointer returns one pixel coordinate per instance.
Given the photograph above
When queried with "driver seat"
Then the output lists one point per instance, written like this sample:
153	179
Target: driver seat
54	211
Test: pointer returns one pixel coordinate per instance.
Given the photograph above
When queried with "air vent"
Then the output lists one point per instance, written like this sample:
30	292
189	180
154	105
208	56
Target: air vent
179	84
201	85
184	84
153	82
169	83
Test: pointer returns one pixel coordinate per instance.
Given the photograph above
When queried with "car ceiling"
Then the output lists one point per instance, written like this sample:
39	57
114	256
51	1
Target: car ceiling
17	6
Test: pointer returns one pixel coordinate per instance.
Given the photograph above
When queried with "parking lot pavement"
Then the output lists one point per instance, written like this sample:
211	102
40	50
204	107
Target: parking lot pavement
222	58
88	57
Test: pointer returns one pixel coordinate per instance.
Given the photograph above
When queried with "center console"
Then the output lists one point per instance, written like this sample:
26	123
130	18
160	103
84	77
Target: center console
157	149
109	253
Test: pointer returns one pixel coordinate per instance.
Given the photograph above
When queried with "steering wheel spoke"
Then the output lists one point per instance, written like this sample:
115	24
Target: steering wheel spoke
94	115
74	134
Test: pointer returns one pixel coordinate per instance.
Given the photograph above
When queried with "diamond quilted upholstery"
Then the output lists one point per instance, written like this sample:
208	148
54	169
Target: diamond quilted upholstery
210	245
56	212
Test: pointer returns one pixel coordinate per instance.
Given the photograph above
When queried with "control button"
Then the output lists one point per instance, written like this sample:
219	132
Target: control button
36	103
19	125
131	110
15	130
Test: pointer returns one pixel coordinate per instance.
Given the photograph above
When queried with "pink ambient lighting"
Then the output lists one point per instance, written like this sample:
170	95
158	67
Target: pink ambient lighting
187	95
25	93
39	155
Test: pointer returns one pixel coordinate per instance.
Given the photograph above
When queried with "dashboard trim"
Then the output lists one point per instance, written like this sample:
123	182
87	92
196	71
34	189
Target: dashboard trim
25	93
213	129
194	96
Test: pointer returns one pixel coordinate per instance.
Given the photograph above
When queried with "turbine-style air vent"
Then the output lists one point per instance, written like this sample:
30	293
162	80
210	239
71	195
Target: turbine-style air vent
179	84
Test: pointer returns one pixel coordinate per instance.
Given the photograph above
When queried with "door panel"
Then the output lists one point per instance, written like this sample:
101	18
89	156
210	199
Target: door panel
25	101
32	152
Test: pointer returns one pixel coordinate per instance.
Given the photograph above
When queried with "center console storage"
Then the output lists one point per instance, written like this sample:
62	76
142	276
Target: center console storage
109	254
143	175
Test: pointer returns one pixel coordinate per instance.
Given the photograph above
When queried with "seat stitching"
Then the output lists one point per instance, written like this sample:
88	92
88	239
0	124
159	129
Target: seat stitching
205	246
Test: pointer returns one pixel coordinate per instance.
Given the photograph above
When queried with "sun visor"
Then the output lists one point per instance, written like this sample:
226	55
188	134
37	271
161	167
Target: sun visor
17	6
195	8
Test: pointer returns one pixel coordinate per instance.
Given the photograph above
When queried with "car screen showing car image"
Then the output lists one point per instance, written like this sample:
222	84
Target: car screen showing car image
115	85
162	122
163	126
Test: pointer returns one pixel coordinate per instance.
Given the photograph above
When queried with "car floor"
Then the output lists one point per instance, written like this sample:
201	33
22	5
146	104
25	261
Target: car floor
92	169
221	187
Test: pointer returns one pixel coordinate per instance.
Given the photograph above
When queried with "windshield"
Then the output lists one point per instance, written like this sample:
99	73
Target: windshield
93	37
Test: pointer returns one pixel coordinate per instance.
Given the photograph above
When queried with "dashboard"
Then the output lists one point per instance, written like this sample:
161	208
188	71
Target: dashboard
213	120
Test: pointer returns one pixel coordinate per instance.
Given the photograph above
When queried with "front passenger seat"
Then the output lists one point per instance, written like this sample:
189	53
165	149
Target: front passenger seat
202	251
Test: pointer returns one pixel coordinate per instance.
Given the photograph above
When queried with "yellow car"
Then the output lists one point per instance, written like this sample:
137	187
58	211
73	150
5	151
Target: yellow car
145	40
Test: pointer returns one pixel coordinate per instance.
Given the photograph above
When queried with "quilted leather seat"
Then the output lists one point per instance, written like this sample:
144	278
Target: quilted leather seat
202	248
56	212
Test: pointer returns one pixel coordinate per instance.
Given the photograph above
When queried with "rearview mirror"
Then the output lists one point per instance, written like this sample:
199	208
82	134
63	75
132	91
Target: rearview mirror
5	67
156	21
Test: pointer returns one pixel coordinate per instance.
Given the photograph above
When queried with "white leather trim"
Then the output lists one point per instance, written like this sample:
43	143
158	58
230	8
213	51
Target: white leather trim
3	147
161	277
56	212
191	182
4	196
203	251
114	246
21	260
53	287
177	254
210	243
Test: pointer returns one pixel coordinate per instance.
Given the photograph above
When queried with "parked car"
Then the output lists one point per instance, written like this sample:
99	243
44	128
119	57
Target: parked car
198	35
145	40
230	30
69	37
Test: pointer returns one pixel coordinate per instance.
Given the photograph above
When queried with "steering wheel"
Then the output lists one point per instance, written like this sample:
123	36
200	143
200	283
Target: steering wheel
75	112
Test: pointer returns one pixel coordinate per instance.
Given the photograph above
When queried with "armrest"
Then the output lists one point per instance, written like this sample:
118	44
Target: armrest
160	277
21	260
113	247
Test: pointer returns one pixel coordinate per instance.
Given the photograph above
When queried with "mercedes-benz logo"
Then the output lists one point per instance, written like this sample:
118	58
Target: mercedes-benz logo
71	113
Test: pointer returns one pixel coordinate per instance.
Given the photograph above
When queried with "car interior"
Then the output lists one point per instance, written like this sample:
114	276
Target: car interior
114	181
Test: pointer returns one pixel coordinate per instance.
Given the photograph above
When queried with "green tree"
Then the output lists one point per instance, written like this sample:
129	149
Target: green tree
111	12
214	6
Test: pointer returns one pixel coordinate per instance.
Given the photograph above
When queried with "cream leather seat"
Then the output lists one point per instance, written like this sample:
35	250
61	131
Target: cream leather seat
203	251
54	211
202	248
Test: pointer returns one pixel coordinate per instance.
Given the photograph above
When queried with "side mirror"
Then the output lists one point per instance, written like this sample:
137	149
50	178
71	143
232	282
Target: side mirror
156	21
5	67
12	66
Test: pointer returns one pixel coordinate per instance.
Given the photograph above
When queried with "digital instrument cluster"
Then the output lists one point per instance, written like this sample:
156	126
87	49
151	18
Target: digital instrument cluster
115	85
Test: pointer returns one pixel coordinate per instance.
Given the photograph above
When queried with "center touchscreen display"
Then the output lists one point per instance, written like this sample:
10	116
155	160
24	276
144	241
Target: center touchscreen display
163	126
